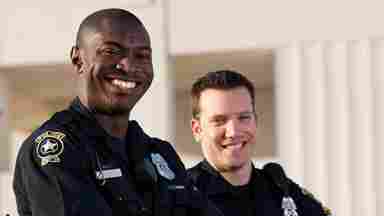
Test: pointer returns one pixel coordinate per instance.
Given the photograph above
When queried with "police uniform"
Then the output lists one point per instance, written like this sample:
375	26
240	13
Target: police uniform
72	166
260	197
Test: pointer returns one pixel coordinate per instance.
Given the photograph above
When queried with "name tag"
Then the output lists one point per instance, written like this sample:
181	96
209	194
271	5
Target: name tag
109	173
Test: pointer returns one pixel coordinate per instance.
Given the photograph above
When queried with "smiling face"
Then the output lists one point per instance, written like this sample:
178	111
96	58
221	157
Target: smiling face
107	88
226	127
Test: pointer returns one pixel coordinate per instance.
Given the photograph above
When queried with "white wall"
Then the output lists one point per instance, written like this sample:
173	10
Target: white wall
201	25
43	32
329	121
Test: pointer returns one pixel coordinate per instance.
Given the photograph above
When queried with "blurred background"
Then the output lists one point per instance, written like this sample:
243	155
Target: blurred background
318	67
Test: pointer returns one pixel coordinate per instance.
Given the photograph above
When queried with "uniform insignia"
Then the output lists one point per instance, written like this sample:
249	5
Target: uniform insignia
162	166
326	210
109	173
49	146
289	206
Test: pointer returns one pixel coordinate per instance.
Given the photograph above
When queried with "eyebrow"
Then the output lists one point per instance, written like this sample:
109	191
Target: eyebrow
113	43
225	115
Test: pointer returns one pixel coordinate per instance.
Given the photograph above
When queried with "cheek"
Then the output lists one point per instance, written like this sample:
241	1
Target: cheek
149	73
251	129
214	138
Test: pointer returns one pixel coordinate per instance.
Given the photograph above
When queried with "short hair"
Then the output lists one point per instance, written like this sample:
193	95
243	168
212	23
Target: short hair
222	80
92	22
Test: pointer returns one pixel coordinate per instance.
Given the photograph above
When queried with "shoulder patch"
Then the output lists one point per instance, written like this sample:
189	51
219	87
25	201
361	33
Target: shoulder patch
49	146
326	210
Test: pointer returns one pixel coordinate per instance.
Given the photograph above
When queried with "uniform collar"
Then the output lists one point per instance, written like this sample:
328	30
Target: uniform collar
217	184
78	107
264	197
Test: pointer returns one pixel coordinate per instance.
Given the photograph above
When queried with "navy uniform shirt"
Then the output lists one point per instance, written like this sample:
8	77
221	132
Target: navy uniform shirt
71	166
260	197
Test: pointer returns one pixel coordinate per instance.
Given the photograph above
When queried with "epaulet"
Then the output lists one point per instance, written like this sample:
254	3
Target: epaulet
326	210
61	118
276	174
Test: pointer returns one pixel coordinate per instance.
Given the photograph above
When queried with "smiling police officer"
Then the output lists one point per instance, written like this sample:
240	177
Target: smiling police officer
224	122
90	159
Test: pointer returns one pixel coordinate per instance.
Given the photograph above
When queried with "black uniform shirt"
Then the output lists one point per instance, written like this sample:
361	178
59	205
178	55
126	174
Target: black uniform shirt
260	197
71	166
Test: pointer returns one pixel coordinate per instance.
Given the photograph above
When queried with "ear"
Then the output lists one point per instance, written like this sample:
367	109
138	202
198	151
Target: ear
196	129
76	58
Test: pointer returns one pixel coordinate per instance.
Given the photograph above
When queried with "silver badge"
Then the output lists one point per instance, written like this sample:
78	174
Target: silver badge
49	146
162	166
289	206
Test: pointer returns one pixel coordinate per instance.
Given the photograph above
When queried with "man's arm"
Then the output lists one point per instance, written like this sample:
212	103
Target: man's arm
50	179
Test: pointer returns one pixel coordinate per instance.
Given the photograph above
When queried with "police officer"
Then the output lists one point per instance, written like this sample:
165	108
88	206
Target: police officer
224	122
90	159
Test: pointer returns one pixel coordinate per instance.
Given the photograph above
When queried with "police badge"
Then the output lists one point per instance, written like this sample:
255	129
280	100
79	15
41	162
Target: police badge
49	146
289	206
162	166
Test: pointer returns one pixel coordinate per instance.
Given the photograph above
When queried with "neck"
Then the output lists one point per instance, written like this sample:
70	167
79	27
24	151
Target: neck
116	126
239	176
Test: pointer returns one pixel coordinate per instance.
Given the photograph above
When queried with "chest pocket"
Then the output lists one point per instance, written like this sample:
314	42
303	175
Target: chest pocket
117	187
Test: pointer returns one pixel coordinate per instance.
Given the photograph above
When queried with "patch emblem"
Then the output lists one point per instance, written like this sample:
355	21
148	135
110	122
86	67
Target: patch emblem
162	166
326	210
49	146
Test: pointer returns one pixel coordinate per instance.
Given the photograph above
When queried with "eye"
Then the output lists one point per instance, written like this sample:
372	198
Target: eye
110	51
245	117
218	121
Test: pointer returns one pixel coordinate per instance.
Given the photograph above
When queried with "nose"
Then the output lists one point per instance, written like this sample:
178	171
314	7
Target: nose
124	64
232	129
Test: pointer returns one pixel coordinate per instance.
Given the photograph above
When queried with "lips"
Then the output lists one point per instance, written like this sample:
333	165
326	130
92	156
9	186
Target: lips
234	145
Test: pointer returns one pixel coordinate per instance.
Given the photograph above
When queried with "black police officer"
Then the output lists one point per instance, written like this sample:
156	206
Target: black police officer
224	122
90	159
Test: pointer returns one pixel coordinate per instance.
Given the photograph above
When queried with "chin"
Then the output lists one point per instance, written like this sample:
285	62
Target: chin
113	109
235	165
229	166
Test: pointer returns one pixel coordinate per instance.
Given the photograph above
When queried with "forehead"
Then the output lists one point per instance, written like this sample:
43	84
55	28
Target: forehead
221	102
126	34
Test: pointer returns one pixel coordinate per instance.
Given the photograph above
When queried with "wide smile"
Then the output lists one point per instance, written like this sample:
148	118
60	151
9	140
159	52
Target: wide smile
123	85
234	145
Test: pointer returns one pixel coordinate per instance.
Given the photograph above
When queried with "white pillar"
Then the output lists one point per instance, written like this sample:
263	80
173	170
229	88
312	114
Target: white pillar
363	202
378	88
337	128
315	174
288	72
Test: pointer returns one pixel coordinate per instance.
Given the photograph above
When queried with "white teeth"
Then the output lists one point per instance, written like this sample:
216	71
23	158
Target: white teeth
234	146
124	84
